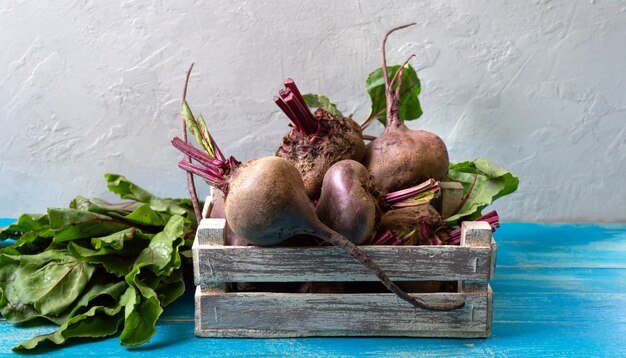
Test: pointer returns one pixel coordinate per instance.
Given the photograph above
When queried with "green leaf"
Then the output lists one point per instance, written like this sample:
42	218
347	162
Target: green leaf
487	181
29	243
410	107
35	223
171	287
162	256
199	129
97	264
315	100
73	224
98	321
127	190
51	281
121	239
139	320
99	206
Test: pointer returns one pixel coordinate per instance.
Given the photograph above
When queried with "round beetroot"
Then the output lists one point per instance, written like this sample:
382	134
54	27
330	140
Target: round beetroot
349	201
317	140
400	157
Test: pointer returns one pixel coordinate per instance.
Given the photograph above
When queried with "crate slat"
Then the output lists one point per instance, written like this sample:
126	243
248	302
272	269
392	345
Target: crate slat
266	315
220	313
289	264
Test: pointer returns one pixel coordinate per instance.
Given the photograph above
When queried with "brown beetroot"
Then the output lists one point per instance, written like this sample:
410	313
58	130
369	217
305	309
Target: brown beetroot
317	140
349	201
401	157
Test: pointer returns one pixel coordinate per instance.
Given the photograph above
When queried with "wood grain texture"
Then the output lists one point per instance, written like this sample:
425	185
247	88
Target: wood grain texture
285	264
450	198
299	315
263	314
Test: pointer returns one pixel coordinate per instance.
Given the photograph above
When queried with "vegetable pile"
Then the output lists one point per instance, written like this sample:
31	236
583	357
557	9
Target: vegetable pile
98	267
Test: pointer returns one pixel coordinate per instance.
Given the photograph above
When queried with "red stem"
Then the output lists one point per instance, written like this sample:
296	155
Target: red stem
293	105
191	185
401	195
393	118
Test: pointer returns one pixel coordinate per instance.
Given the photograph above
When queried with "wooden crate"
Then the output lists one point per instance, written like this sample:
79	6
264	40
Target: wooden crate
220	313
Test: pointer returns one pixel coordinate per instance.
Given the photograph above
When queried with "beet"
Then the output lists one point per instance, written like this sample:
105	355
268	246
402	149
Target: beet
316	141
415	225
349	201
266	204
400	157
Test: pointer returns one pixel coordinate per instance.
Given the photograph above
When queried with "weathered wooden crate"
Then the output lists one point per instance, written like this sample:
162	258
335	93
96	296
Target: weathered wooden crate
220	313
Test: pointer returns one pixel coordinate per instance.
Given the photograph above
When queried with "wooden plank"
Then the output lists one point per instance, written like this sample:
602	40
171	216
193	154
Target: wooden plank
285	264
450	198
262	314
512	283
208	206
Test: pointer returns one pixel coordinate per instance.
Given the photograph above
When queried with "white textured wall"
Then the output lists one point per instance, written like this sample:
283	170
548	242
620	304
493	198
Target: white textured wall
88	87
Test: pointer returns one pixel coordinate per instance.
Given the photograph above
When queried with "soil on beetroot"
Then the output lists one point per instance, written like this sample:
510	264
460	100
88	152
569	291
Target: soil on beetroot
338	138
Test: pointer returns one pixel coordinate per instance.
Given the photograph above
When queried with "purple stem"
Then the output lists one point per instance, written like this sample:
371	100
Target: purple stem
195	153
397	197
293	105
291	85
215	180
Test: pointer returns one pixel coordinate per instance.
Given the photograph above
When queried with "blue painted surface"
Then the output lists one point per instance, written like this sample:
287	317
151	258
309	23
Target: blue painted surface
560	290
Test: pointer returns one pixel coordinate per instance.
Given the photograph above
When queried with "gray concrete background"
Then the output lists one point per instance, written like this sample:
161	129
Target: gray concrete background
91	87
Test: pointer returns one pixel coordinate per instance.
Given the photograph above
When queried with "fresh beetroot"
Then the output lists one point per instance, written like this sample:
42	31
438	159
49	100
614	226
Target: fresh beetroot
415	225
317	140
401	157
266	203
349	201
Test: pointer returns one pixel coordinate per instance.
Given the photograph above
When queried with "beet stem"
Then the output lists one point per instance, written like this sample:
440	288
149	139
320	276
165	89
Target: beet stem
401	195
291	84
392	102
466	197
215	181
191	185
352	249
195	153
291	100
286	110
291	111
401	73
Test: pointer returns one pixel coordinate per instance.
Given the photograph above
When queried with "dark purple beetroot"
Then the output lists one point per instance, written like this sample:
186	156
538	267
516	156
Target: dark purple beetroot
316	141
401	157
349	202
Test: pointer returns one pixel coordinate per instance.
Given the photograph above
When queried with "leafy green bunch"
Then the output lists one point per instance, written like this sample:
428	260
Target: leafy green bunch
96	267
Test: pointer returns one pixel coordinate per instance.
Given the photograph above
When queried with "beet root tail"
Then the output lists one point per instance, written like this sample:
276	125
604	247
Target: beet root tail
356	252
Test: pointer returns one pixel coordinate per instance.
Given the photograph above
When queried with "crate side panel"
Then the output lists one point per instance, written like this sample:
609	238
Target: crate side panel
292	315
284	264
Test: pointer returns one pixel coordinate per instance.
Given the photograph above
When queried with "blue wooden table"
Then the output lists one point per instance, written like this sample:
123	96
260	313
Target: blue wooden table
560	291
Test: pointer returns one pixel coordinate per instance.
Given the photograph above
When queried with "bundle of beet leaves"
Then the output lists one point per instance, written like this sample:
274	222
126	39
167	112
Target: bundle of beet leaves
98	267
